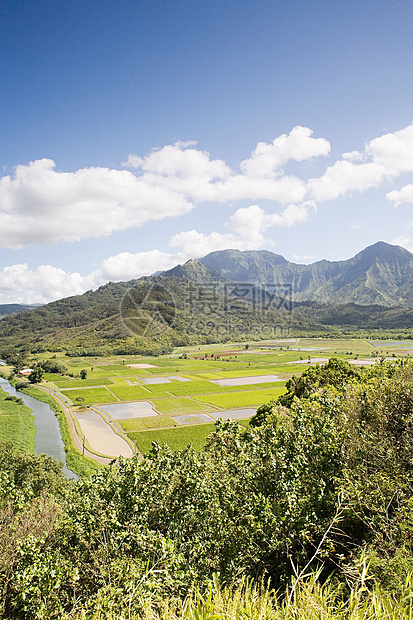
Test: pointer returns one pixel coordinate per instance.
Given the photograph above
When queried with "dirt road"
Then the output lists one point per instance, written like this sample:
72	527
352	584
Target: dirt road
77	440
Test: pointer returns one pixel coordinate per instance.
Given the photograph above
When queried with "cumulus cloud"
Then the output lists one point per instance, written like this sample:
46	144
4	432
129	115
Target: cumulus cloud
402	196
402	240
19	284
384	158
41	205
344	177
126	266
304	258
252	221
267	159
192	173
247	226
182	161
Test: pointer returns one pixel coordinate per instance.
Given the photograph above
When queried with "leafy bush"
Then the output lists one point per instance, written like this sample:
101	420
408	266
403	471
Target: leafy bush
323	485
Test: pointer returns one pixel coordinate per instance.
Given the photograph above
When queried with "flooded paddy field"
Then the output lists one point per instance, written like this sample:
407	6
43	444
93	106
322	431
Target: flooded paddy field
100	435
128	411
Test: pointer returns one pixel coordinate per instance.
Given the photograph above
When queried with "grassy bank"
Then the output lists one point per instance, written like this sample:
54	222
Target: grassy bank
16	423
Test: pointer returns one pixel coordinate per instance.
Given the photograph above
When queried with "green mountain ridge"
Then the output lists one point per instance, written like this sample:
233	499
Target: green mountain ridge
380	274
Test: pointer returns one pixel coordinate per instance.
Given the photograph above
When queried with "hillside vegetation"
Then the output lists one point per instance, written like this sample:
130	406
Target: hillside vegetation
320	481
151	316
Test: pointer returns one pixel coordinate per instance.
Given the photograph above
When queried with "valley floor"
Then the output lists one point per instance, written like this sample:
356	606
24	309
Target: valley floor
125	404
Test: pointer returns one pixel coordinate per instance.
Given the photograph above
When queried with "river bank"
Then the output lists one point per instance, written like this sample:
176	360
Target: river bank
48	436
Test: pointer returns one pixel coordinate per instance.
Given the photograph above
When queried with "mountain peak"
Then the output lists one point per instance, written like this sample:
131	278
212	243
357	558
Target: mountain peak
383	251
192	270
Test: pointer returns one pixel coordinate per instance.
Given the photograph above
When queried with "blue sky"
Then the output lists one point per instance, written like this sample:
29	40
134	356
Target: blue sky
137	135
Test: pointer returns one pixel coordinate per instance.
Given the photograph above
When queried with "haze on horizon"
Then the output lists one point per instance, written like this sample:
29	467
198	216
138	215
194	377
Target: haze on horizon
136	136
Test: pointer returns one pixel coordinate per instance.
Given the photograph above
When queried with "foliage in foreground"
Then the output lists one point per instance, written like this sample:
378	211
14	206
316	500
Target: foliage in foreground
313	486
305	599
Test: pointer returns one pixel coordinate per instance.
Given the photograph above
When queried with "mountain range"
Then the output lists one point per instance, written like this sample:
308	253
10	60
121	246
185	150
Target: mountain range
380	274
224	296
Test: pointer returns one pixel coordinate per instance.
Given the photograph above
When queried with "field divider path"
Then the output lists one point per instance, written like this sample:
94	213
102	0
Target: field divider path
198	401
114	395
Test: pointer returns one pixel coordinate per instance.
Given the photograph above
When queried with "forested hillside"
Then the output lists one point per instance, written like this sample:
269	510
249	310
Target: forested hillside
188	305
321	480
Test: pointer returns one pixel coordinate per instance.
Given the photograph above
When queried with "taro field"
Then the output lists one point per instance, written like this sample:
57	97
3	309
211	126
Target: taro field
177	398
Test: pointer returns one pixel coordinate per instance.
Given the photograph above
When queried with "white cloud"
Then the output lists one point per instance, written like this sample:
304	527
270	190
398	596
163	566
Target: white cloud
344	177
353	156
304	258
293	214
181	161
247	225
40	205
126	266
190	172
195	244
252	221
19	284
404	242
394	151
399	197
384	158
267	159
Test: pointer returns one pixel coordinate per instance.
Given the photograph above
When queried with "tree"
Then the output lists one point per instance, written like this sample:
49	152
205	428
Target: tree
335	372
83	373
36	375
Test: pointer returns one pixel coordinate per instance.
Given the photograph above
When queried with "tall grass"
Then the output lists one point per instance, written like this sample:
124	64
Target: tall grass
307	599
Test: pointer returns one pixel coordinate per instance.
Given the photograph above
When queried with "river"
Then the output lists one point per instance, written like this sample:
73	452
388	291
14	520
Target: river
48	437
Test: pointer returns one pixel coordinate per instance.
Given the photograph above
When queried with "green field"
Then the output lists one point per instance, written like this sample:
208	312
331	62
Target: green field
130	392
178	438
246	398
179	405
81	383
51	376
90	395
108	379
138	424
